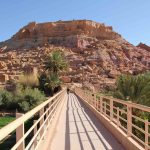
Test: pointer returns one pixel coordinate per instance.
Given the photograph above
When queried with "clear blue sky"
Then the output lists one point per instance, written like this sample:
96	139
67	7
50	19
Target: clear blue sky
130	18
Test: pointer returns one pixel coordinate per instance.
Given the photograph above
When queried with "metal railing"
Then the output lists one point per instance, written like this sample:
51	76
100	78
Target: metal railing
44	113
132	118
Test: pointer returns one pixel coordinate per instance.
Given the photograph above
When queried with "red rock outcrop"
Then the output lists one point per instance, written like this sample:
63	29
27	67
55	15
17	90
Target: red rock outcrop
144	46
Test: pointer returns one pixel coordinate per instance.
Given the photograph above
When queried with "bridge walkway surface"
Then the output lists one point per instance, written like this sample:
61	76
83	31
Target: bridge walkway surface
79	129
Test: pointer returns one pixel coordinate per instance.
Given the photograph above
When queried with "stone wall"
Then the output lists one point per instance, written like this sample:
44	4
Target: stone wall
66	33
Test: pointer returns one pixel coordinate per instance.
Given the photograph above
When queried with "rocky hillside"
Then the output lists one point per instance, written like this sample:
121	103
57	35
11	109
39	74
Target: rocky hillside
97	54
144	46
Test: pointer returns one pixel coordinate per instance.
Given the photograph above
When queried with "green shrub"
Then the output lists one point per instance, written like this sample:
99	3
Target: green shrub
7	100
30	98
24	99
24	106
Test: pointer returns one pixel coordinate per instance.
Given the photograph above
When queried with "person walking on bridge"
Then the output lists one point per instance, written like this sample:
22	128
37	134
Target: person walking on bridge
68	91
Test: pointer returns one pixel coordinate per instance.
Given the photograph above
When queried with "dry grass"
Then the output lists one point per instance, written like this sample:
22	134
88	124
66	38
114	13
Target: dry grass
29	80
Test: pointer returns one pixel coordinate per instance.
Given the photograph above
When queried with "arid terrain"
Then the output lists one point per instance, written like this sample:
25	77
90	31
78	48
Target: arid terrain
96	54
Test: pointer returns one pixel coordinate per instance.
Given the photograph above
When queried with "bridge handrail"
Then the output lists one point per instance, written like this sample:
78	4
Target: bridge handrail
53	101
135	105
119	111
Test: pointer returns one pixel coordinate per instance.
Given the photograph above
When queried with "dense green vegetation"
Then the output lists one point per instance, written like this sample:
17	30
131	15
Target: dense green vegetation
137	90
30	90
134	88
24	99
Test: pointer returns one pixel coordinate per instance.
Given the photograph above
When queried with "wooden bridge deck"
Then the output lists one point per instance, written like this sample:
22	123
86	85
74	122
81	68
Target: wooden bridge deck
79	129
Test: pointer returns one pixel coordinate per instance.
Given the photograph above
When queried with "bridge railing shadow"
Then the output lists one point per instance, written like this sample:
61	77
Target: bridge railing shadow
86	124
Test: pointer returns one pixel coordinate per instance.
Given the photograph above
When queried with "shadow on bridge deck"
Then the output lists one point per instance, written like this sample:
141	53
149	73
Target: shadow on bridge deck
79	129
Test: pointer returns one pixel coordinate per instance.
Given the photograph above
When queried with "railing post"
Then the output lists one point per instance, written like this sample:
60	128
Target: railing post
85	96
49	105
20	133
111	109
35	130
118	122
105	111
146	134
129	119
53	106
47	109
89	98
92	99
95	103
101	105
41	122
51	109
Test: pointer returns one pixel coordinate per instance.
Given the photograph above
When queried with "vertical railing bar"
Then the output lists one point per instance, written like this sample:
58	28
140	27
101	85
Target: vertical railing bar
105	112
41	112
111	109
129	120
101	105
35	130
20	133
118	122
146	134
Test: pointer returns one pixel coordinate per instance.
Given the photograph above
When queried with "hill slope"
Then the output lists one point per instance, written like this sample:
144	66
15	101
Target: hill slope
97	54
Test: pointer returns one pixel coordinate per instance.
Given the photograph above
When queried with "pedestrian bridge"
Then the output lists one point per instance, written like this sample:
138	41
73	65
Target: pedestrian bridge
81	121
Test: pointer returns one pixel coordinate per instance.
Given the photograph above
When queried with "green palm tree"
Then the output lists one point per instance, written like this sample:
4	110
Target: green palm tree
56	62
54	65
52	81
